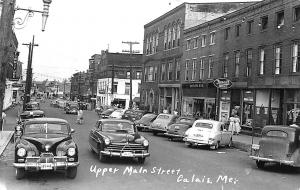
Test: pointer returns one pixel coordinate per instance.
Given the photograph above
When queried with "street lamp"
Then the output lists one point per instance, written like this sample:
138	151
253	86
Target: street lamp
30	13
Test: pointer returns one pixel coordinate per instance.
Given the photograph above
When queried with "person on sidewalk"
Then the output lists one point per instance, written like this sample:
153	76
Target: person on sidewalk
231	126
237	126
80	116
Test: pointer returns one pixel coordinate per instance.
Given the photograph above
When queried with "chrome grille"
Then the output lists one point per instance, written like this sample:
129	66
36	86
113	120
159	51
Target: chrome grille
125	147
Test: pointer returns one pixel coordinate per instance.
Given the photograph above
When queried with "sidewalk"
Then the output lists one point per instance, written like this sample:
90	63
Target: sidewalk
243	142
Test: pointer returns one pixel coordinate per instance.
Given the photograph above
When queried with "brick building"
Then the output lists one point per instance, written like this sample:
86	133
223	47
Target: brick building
257	48
163	50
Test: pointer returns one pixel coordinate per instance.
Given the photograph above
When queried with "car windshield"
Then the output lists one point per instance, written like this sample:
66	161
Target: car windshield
164	117
277	134
46	128
147	117
204	125
117	126
32	107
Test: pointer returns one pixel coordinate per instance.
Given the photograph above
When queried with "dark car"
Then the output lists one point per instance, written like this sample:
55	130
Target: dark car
46	144
145	121
118	138
31	110
279	144
133	115
178	129
105	114
72	108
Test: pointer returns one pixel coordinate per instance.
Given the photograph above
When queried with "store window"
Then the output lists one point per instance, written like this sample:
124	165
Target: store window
293	106
248	106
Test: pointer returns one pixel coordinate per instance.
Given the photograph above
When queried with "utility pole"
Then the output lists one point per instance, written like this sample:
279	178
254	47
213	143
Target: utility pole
131	52
6	21
29	72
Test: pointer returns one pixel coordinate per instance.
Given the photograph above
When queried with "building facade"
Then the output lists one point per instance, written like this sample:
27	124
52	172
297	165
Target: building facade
163	50
257	49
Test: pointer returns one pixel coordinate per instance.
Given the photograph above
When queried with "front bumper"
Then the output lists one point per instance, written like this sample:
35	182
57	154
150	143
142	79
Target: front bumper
126	154
199	142
286	162
52	163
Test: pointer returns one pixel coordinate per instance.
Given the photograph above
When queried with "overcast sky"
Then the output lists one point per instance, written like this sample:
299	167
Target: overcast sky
77	29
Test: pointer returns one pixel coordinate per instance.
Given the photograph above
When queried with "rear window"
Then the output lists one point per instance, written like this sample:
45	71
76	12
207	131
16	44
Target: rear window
204	125
163	117
277	134
186	120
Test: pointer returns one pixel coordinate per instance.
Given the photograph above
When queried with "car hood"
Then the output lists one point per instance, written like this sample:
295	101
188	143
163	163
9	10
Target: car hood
122	137
33	112
41	141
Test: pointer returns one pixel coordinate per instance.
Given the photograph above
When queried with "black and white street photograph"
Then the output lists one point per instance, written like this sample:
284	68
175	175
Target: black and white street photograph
150	94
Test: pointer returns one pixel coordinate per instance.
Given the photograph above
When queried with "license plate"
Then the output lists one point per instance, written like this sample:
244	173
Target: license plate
198	135
46	166
127	154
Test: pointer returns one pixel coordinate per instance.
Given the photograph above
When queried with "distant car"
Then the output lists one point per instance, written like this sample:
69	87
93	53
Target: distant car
105	114
209	133
72	108
145	121
46	144
117	114
32	110
178	129
161	123
118	138
279	144
133	115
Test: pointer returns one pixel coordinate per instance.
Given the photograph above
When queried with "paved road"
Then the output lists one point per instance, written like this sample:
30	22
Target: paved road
171	166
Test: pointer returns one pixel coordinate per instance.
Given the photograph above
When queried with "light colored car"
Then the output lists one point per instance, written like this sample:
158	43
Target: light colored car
208	132
162	122
117	114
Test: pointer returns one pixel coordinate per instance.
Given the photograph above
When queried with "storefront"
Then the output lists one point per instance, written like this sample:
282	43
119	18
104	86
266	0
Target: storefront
169	97
292	106
199	99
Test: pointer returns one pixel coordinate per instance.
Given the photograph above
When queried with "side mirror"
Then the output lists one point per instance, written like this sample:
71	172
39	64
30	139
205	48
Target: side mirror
72	131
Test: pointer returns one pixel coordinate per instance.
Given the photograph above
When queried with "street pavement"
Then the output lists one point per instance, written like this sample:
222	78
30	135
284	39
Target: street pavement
171	165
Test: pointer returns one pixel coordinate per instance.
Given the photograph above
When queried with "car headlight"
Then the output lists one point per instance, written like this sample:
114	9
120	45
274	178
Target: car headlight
106	141
21	152
146	143
71	151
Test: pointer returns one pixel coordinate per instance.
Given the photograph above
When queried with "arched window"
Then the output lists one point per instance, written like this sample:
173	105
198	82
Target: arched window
165	38
174	36
169	37
178	33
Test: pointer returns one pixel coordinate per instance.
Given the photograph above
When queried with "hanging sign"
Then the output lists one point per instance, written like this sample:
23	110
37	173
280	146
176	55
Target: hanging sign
222	83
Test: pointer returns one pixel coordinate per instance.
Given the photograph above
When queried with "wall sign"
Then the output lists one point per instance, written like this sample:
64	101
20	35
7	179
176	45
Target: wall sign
222	83
193	85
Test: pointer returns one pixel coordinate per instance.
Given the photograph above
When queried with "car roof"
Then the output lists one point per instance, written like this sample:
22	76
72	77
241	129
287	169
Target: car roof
117	120
46	120
285	128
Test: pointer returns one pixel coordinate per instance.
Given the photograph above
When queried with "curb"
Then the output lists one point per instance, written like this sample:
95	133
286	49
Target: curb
242	146
7	139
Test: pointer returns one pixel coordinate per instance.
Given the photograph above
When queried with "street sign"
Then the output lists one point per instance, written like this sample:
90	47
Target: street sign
222	83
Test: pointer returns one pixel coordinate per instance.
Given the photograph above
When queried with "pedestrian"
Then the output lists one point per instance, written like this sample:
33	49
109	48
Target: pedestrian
231	124
237	126
80	116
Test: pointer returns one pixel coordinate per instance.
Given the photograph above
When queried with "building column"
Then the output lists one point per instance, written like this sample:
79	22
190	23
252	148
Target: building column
284	107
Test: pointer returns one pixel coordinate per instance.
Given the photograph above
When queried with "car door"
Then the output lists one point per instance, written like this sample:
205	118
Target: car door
93	139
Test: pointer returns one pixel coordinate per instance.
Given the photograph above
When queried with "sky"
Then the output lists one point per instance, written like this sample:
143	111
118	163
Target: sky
76	30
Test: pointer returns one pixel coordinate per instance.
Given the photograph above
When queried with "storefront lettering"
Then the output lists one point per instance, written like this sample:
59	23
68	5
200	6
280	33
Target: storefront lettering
222	83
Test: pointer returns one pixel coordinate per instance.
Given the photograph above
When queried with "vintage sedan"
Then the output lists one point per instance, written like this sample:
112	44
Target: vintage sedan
117	114
133	115
279	144
178	129
71	108
118	138
208	132
105	114
145	121
162	122
46	144
31	110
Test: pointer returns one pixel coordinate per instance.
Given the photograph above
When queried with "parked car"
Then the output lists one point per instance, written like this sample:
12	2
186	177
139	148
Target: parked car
208	132
145	121
105	114
46	144
178	129
133	115
71	107
161	123
31	110
117	114
279	144
118	138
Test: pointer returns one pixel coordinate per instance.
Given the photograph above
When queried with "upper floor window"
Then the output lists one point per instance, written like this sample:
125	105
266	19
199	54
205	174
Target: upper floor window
146	74
128	74
227	30
157	35
226	62
262	60
280	19
163	71
201	74
188	44
177	69
165	39
297	13
237	57
186	70
264	22
296	57
169	38
203	41
138	75
194	63
250	26
147	46
278	59
210	66
237	30
170	70
249	58
115	87
212	38
155	73
127	88
178	34
196	42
